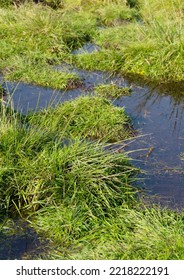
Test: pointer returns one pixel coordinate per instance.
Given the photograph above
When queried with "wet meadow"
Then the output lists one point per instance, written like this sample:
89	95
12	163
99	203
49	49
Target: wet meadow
71	72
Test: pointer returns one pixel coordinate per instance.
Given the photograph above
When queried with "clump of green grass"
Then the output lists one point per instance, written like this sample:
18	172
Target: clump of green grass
45	157
78	194
155	9
139	233
139	49
74	190
114	14
89	117
152	48
112	91
42	75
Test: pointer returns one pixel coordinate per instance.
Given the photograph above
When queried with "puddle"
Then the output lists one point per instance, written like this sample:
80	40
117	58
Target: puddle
157	113
19	241
87	48
26	97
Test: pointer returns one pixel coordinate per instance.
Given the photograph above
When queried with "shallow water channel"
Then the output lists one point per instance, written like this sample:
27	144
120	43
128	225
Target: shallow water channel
157	114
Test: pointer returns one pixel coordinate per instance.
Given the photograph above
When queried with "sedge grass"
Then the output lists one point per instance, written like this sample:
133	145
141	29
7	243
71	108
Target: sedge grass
151	48
35	37
89	117
43	156
129	233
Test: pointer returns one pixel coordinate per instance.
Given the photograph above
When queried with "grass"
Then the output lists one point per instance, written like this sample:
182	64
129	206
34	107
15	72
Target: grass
41	170
38	39
112	91
47	155
151	48
130	234
136	49
87	117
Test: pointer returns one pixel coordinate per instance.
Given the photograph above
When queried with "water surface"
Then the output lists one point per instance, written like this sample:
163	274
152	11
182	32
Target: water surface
19	241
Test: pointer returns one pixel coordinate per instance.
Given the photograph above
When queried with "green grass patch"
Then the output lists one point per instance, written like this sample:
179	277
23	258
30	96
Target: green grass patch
46	156
128	234
151	50
33	37
89	117
30	72
142	42
76	193
56	170
112	91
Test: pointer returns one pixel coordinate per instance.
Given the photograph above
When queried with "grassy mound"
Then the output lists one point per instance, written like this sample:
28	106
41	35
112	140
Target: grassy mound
46	158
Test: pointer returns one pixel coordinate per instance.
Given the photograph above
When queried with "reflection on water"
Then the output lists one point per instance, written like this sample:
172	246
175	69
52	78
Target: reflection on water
157	113
160	117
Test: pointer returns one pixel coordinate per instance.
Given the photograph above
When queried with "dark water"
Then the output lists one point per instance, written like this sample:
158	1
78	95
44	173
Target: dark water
160	117
25	97
19	241
88	48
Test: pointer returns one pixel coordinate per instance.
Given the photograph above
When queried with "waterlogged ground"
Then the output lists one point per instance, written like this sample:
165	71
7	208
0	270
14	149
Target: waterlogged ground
158	117
126	37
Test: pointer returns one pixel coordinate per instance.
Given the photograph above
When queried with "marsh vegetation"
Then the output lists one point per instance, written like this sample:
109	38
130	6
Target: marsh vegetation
64	169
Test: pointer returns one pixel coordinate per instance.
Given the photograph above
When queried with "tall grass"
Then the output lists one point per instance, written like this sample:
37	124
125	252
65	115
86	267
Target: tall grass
46	157
152	47
128	233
